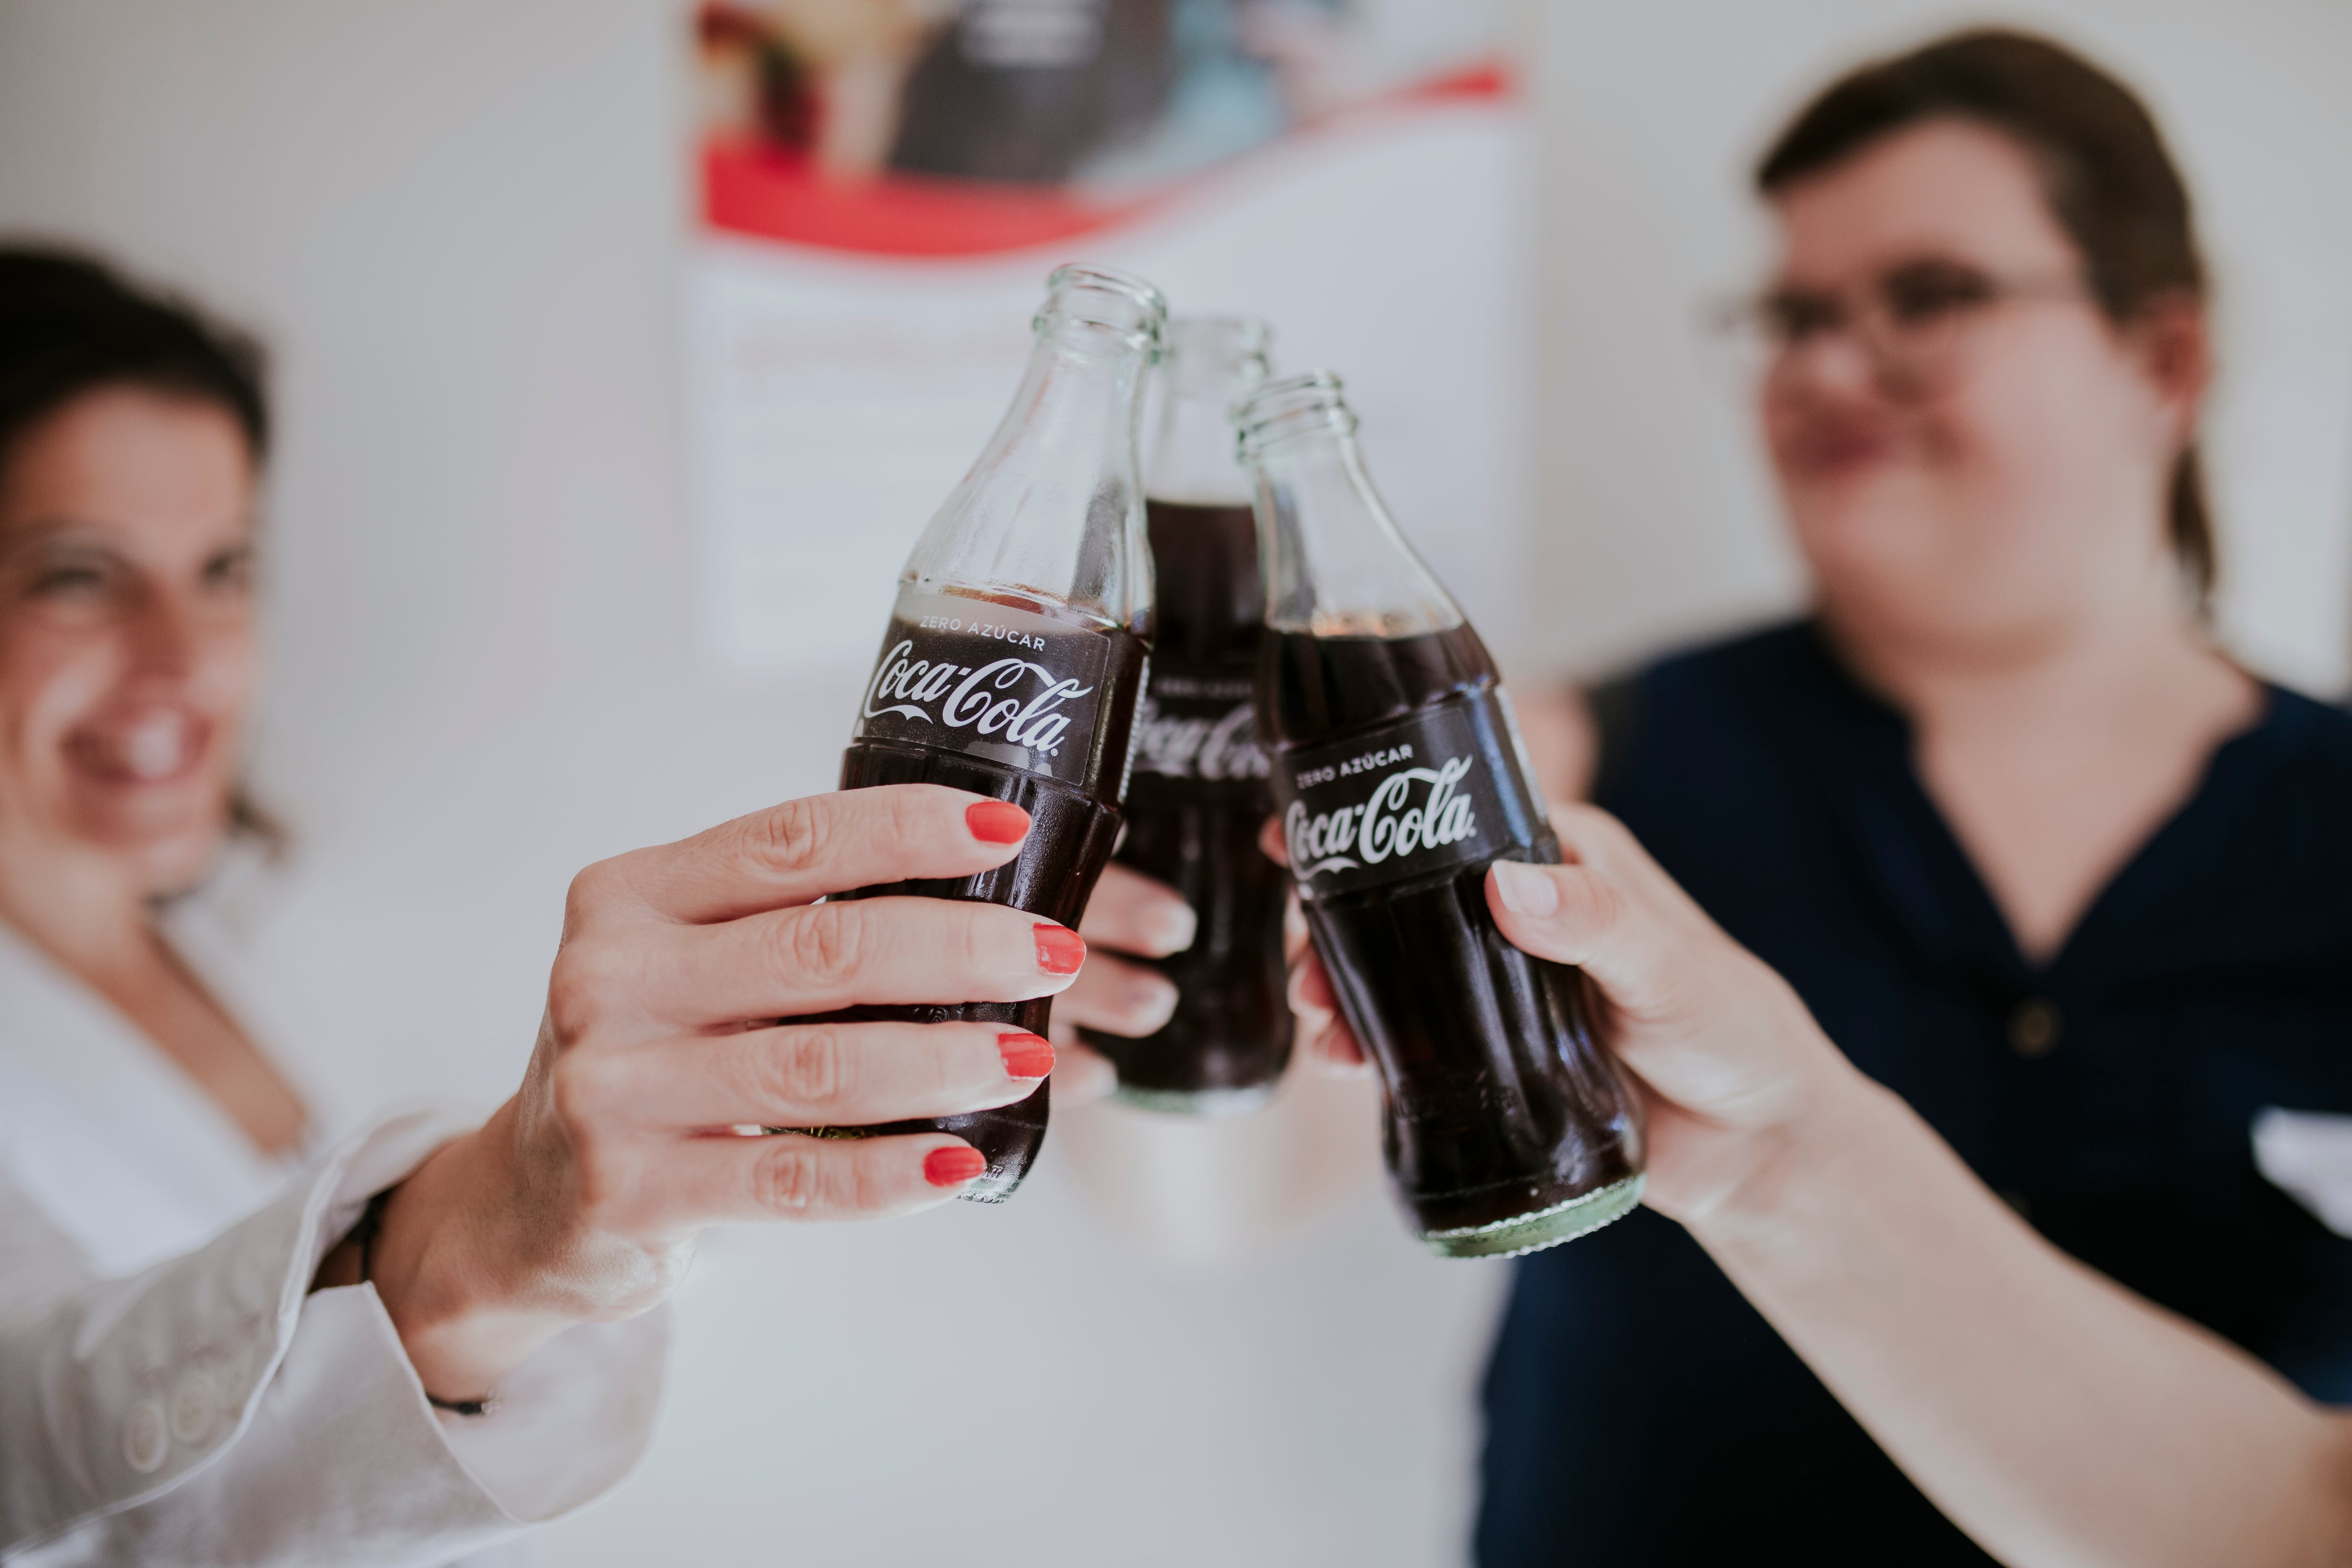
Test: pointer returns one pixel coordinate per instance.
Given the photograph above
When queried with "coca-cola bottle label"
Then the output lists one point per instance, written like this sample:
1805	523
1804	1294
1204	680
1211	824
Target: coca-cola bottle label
1438	789
1198	726
965	674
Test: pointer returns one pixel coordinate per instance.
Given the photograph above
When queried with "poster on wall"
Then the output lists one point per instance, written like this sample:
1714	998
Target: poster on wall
883	185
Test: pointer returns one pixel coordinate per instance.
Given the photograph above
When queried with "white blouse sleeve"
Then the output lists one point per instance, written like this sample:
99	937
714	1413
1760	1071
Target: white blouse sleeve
213	1409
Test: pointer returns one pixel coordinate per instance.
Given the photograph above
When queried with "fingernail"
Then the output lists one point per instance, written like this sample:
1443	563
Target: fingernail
1524	890
953	1167
1148	994
1025	1055
996	822
1060	949
1175	925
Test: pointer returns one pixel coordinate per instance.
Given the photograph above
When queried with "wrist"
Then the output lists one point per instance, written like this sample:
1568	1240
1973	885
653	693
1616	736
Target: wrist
453	1282
1802	1165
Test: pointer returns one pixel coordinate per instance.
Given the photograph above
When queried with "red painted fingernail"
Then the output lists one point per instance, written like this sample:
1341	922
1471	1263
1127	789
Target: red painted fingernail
953	1167
996	822
1060	949
1025	1055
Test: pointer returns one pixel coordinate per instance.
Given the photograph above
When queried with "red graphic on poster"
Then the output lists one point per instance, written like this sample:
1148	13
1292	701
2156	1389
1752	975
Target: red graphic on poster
924	128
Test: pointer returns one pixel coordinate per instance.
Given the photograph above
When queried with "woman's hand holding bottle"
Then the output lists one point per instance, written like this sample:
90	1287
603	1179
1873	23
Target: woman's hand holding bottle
580	1199
1733	1071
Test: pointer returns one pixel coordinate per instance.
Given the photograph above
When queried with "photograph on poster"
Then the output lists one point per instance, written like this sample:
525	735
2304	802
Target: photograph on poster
883	186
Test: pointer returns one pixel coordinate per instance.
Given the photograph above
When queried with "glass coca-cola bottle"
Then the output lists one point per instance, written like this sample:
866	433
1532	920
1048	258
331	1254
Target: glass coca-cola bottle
1014	662
1199	795
1400	776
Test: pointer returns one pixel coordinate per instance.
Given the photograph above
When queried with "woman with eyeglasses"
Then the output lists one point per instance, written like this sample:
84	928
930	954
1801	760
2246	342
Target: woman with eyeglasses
2039	857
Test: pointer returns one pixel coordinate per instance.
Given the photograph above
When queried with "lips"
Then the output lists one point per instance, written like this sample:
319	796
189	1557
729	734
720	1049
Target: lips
1833	448
149	745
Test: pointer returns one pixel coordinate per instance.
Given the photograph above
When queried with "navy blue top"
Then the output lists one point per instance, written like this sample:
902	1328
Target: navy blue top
1638	1410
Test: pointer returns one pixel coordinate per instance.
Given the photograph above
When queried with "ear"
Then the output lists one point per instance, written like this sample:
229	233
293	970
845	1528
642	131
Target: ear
2171	338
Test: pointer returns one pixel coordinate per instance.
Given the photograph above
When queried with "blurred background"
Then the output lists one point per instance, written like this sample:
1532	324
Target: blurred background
550	574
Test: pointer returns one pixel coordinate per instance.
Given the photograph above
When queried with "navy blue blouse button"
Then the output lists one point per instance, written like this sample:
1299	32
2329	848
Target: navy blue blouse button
2034	1027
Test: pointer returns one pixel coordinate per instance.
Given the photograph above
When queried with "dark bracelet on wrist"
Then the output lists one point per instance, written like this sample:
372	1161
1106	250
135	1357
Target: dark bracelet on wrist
364	1233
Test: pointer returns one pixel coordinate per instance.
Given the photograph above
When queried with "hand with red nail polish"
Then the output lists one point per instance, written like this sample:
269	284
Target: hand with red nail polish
952	1167
580	1198
1060	950
1129	915
996	822
1025	1055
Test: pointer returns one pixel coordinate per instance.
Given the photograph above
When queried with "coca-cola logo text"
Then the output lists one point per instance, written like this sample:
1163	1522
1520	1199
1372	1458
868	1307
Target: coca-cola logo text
1202	746
1388	823
993	699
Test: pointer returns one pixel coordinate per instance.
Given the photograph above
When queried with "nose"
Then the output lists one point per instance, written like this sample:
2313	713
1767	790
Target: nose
165	636
1836	363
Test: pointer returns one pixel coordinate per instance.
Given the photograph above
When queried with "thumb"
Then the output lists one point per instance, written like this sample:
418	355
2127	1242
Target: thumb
1575	914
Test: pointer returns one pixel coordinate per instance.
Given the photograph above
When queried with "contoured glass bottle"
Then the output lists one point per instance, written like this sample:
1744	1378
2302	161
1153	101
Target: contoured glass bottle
1398	775
1015	657
1198	794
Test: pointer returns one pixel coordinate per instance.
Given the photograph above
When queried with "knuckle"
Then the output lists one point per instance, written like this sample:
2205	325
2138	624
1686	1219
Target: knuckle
936	1071
808	1068
579	1089
864	1187
602	1186
902	818
788	1176
591	890
1587	906
1608	905
824	944
975	945
581	990
791	837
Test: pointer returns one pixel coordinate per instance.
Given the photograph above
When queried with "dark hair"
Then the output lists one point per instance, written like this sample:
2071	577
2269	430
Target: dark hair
71	325
2110	183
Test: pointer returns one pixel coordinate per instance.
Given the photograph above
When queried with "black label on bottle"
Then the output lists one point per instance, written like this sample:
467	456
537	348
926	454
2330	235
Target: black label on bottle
1199	724
1009	685
1438	789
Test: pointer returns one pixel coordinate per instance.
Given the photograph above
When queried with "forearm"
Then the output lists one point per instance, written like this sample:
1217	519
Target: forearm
216	1408
2055	1416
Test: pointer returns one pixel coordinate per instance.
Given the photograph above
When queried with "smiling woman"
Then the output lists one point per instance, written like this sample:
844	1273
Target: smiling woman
132	435
228	1335
161	646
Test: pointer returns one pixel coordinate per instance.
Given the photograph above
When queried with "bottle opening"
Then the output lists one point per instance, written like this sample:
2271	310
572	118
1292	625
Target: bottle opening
1296	406
1217	356
1210	364
1078	295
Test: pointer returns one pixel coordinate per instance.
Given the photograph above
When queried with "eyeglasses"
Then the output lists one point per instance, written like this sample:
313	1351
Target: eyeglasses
1913	320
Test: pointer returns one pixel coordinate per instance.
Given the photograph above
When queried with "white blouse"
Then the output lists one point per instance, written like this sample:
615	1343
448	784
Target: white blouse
171	1391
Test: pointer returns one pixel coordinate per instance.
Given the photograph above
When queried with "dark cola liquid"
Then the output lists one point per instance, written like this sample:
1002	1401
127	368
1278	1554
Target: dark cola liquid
1501	1103
1072	827
1195	803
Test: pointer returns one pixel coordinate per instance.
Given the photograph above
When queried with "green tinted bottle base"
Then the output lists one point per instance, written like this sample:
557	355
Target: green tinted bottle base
1211	1102
1545	1227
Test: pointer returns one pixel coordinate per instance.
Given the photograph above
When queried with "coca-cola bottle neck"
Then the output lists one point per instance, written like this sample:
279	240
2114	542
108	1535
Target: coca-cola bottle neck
1210	364
1335	564
1052	512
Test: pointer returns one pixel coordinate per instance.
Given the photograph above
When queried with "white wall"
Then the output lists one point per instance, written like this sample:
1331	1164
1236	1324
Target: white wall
458	221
